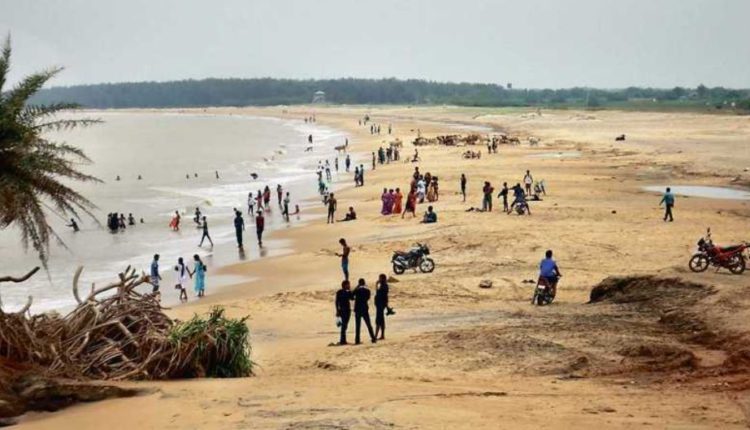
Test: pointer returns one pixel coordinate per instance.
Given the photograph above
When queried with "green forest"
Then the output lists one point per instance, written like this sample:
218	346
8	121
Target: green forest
267	91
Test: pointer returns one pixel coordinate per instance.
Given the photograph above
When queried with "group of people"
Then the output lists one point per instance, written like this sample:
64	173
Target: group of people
115	222
361	298
385	156
183	274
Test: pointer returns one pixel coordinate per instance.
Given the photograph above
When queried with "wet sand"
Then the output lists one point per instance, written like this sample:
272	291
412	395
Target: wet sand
457	356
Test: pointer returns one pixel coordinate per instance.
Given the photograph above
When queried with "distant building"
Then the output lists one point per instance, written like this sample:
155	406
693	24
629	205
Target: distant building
319	97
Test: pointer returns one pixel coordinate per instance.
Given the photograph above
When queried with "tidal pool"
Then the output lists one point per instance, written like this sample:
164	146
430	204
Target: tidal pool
702	191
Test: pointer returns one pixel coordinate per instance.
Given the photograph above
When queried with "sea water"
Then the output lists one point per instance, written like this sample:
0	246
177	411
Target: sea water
702	191
167	150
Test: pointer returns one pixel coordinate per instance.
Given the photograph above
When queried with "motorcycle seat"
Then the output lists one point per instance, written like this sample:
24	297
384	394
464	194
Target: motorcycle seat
729	248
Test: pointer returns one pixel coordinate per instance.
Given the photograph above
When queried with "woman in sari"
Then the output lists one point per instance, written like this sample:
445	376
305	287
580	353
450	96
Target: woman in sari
397	198
385	198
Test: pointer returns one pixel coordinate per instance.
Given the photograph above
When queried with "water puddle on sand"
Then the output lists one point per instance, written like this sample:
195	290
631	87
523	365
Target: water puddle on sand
560	154
702	191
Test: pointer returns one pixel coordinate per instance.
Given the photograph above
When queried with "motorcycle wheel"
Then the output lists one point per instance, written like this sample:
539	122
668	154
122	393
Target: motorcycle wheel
736	264
426	265
698	263
398	269
540	300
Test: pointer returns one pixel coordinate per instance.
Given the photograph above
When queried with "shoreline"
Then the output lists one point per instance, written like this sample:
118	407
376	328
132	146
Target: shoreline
460	356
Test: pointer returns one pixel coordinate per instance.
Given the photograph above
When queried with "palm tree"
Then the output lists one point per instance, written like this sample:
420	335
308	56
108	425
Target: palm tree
33	168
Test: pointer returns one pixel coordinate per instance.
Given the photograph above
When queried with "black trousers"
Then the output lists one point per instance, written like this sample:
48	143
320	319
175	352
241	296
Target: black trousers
238	232
668	213
345	317
380	319
358	317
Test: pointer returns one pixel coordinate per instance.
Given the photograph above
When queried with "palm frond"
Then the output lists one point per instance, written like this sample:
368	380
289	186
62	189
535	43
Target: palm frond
4	63
32	168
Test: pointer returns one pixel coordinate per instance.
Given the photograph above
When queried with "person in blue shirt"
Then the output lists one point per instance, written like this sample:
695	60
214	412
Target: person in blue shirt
549	271
155	276
668	201
430	216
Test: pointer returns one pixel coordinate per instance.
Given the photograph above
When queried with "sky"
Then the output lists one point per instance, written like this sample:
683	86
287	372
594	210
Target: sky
530	43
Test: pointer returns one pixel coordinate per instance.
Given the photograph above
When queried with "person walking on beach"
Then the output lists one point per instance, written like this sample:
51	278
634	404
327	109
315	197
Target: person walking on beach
463	186
362	311
397	199
175	223
381	304
411	204
528	180
373	160
345	250
205	233
668	201
250	203
260	225
279	194
336	164
347	162
183	277
331	209
267	198
239	227
199	271
504	194
343	309
362	175
259	200
155	276
487	200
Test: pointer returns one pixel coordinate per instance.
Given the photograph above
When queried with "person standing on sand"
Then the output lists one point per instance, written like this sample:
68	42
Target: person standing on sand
528	180
345	250
260	225
397	198
463	186
331	209
504	194
668	201
343	309
362	175
487	200
205	233
348	162
239	227
362	311
279	193
155	276
199	271
336	164
373	160
381	304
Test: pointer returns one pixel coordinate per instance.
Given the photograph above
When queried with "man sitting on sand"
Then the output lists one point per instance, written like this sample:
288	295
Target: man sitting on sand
430	216
351	215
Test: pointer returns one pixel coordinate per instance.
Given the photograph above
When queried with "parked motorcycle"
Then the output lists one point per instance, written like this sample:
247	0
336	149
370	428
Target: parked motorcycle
413	259
708	254
544	292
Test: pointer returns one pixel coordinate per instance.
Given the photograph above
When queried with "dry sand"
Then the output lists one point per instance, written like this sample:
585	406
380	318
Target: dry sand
457	356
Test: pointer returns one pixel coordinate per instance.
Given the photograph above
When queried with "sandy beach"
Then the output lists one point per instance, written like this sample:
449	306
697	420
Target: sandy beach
459	356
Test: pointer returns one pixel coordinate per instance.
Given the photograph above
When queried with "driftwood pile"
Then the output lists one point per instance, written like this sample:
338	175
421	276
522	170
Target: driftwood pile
453	140
116	332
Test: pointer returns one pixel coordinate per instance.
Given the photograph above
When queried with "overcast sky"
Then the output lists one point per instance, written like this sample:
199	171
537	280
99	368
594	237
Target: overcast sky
531	43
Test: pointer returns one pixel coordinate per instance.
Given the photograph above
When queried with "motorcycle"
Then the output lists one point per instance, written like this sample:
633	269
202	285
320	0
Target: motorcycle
413	259
708	254
544	292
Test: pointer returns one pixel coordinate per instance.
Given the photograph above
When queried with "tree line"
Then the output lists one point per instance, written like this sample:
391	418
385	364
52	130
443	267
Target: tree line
268	91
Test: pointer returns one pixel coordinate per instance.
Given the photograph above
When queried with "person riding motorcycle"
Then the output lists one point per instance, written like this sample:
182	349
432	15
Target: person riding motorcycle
549	272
